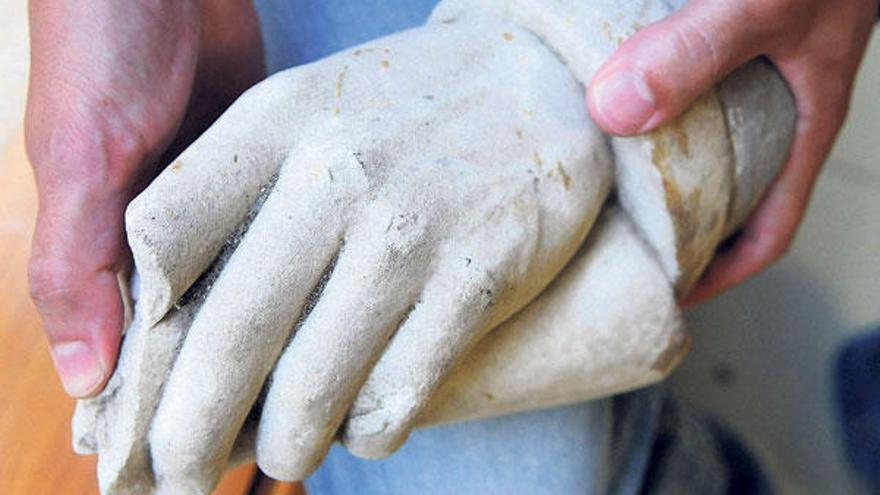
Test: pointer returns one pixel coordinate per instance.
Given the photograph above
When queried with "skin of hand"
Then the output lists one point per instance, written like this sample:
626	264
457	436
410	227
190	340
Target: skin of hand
816	45
114	86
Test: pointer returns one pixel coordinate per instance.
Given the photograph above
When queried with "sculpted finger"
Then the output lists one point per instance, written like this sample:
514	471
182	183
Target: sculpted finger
660	71
375	282
178	225
566	343
242	327
454	310
116	423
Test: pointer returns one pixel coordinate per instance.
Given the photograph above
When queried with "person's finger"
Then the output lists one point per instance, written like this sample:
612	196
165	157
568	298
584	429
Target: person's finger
244	322
661	70
822	97
375	282
92	124
78	252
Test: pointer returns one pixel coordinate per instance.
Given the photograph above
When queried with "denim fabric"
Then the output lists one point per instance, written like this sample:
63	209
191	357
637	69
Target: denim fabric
634	443
591	448
857	386
301	31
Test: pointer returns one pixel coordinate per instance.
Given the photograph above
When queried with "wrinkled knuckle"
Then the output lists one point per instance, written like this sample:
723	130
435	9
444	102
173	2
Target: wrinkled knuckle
49	281
699	43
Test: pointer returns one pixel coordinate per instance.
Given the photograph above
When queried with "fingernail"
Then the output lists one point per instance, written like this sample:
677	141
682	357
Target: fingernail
624	101
78	366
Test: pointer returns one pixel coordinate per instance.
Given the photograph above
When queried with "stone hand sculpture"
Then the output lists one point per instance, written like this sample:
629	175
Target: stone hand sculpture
329	259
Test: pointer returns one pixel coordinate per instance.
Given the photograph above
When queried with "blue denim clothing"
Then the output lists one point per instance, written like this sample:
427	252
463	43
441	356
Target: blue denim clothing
566	450
857	387
635	443
296	32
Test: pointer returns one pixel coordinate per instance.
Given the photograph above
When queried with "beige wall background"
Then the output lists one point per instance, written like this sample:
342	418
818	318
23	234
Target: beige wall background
762	353
13	66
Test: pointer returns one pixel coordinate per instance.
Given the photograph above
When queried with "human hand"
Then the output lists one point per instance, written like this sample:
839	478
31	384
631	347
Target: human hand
110	87
657	73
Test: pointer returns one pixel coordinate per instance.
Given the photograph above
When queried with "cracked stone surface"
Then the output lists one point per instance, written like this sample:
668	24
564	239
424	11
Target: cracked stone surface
373	243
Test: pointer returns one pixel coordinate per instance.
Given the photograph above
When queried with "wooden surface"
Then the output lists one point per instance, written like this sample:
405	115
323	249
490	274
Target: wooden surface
35	438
